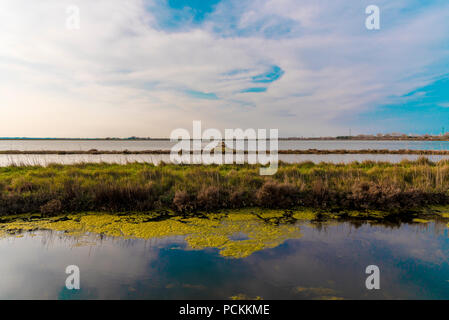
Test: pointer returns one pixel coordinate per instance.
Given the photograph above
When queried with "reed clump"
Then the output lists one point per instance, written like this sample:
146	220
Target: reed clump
282	151
140	187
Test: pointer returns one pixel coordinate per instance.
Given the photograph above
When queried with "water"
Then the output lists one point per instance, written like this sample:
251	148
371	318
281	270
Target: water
84	145
45	159
328	261
69	145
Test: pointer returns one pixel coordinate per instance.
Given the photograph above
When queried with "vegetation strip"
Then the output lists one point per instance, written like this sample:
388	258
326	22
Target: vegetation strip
140	187
308	151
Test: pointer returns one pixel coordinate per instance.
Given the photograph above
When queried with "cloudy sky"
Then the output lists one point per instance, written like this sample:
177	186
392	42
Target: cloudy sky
146	67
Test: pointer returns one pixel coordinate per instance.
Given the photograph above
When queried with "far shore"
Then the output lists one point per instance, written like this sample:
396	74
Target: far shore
337	138
296	151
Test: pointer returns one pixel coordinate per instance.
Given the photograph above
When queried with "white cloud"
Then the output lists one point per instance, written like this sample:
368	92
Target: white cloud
118	76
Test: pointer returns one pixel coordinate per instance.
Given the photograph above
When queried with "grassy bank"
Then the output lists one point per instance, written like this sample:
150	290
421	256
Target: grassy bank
395	188
289	151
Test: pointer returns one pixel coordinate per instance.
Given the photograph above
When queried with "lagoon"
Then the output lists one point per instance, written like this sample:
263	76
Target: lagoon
132	145
315	260
85	145
46	159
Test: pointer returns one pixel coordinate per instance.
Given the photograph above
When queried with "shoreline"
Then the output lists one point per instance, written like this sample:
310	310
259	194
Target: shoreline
290	151
338	138
209	227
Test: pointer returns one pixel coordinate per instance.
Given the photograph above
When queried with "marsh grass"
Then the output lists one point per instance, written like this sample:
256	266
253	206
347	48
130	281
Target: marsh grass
162	152
141	187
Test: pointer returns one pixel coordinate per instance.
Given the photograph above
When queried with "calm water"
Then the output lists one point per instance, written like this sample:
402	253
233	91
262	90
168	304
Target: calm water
328	261
45	159
37	145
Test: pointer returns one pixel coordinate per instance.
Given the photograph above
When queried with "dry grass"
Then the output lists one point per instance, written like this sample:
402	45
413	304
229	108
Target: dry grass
189	188
290	151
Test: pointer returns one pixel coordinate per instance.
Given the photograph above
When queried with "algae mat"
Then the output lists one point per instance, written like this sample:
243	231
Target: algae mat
236	235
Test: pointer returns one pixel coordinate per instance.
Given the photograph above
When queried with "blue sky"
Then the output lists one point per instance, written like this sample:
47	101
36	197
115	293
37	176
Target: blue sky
146	67
176	15
424	110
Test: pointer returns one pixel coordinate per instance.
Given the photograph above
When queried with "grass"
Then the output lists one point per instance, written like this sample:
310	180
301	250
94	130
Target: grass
138	187
289	151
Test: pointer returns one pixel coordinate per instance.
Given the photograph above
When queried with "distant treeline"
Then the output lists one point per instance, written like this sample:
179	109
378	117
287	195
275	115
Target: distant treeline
380	137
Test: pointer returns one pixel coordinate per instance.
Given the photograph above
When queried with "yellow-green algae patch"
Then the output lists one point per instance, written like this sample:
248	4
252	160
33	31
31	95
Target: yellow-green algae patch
242	296
304	215
364	214
441	211
329	298
421	220
214	231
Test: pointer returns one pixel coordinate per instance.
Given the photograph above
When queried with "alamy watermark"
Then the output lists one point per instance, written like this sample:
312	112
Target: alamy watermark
373	280
372	22
72	282
227	149
73	18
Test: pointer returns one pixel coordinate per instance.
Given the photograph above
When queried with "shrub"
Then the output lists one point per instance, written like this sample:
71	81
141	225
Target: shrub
51	208
125	196
210	198
274	194
241	199
182	201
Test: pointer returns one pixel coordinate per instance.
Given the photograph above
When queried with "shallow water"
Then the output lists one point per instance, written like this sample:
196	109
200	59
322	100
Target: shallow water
327	261
45	159
38	145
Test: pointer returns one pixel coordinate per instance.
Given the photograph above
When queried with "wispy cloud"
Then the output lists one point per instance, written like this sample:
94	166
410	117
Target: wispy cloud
273	74
202	95
125	72
256	89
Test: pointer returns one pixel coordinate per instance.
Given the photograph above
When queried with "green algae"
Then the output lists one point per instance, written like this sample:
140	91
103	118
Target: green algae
305	215
439	211
215	231
329	298
242	296
421	220
256	229
376	214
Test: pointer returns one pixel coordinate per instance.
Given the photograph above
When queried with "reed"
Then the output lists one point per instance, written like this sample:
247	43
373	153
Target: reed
141	187
289	151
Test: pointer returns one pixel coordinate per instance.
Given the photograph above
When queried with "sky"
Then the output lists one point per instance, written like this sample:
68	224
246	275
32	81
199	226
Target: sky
146	67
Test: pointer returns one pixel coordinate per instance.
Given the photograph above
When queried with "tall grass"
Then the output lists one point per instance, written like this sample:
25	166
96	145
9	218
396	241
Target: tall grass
189	188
